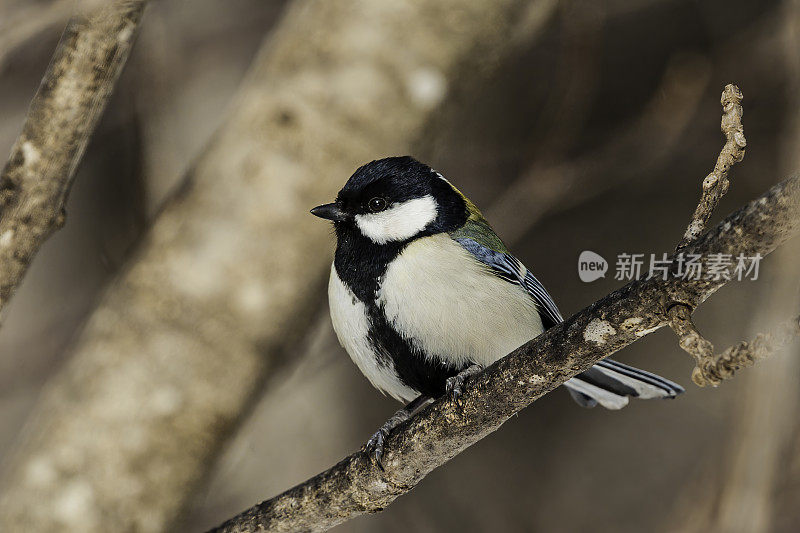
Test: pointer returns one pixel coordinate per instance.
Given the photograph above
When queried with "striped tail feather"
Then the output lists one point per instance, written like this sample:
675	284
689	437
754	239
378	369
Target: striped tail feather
610	384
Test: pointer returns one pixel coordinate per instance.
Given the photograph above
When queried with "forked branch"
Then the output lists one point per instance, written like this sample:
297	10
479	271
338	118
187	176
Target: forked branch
712	369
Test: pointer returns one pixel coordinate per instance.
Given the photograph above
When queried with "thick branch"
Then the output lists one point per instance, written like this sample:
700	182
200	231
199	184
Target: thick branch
354	486
63	114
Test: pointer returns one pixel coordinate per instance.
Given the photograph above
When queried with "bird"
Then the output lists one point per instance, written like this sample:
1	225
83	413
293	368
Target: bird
423	294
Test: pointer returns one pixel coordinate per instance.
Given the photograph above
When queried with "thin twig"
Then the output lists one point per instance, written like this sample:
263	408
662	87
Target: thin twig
71	98
443	430
713	369
716	184
690	338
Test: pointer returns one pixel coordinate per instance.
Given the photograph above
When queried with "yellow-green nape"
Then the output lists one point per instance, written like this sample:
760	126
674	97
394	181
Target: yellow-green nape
477	228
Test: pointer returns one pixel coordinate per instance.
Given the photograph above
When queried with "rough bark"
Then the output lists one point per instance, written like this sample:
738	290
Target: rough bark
220	287
355	486
71	98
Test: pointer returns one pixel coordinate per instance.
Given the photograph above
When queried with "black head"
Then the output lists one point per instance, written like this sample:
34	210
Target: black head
396	199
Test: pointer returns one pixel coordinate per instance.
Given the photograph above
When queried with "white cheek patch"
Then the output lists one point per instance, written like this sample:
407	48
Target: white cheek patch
399	222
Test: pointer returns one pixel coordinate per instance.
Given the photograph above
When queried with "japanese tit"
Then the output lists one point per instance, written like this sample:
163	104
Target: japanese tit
423	293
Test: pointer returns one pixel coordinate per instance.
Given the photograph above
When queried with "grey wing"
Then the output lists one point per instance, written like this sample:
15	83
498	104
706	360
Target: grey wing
608	383
511	269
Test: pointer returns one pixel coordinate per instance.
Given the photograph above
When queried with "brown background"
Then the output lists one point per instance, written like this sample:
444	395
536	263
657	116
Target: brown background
607	121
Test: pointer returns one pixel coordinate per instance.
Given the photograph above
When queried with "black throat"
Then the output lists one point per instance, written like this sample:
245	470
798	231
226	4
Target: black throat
360	263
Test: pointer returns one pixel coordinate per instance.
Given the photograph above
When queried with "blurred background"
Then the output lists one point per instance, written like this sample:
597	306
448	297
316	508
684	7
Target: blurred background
590	128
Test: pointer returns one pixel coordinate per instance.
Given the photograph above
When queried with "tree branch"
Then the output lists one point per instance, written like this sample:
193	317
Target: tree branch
716	184
63	114
745	354
440	432
713	369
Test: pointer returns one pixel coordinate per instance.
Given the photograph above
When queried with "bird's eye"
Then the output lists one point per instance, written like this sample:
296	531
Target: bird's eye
377	204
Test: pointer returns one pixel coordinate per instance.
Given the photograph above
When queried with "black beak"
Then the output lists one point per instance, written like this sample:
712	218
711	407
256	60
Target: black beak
329	212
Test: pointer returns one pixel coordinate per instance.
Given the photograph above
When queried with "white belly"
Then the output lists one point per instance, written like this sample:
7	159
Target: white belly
452	308
351	324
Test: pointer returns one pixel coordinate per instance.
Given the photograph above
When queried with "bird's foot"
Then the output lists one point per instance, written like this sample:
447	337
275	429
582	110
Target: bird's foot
454	386
374	446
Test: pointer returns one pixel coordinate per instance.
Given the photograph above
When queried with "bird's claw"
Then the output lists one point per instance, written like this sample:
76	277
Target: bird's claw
454	386
374	447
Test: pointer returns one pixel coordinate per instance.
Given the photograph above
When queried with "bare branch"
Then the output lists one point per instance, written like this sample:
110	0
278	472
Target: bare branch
713	369
443	430
716	184
739	483
690	338
73	94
